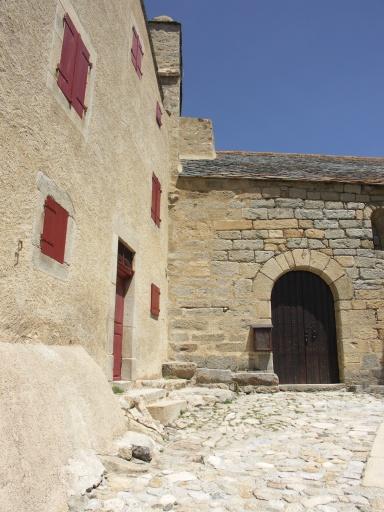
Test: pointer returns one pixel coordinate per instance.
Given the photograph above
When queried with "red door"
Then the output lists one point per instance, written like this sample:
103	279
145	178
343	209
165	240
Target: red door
118	328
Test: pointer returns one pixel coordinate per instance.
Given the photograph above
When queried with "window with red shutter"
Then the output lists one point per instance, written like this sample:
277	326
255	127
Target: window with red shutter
159	115
156	197
73	67
53	237
155	300
136	52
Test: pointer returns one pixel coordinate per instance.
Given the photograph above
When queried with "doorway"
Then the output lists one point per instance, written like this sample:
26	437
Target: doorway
123	280
304	330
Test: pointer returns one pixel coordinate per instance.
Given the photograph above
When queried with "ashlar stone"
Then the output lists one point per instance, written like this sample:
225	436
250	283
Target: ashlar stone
241	256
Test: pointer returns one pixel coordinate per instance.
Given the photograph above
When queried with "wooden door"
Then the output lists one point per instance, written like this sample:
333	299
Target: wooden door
118	328
304	331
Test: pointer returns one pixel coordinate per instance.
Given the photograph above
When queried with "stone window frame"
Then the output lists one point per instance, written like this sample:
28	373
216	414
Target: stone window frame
47	187
81	124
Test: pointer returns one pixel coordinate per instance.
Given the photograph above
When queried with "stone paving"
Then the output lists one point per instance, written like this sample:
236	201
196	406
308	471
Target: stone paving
290	452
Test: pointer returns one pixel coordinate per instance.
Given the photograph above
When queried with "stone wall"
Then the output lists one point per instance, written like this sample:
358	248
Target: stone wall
102	165
231	239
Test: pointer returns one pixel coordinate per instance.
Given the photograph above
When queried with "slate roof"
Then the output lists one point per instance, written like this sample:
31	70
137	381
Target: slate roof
285	166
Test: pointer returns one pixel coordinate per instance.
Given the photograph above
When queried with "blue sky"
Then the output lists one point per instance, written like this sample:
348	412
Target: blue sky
301	76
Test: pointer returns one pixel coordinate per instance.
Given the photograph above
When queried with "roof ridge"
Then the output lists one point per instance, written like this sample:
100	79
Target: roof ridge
305	155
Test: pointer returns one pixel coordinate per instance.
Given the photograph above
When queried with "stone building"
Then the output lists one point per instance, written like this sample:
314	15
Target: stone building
293	241
86	130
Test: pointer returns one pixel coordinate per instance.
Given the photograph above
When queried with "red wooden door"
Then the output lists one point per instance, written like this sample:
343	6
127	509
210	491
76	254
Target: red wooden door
304	330
118	328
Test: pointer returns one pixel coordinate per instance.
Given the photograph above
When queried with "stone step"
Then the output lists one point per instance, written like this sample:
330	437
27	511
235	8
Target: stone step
148	395
179	369
123	385
166	411
168	384
312	387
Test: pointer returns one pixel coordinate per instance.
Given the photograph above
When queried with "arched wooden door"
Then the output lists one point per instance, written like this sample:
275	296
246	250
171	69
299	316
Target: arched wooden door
304	330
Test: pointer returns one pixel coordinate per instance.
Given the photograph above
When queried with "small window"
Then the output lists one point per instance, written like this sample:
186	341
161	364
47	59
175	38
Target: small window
137	53
156	197
53	238
377	220
155	300
73	68
159	115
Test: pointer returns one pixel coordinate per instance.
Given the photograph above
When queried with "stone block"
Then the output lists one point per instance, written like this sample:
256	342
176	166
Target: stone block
263	309
333	271
351	223
280	213
248	244
326	224
230	235
241	256
293	233
262	287
294	243
232	225
179	370
359	233
344	243
255	213
334	205
309	214
282	262
262	203
222	245
318	260
213	376
224	268
315	233
311	204
271	269
306	224
316	244
254	234
166	411
262	256
301	257
219	256
334	233
275	224
340	214
249	270
256	379
287	202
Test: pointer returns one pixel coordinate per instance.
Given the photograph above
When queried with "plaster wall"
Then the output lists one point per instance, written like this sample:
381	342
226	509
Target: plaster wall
56	408
231	239
102	165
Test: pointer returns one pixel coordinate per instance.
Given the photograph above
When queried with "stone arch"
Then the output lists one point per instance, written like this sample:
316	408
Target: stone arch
313	261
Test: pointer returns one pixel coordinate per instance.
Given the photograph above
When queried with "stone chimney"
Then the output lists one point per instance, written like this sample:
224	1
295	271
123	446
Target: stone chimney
166	39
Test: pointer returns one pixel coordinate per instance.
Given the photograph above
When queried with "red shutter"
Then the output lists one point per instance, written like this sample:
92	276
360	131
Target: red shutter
80	77
135	47
68	57
158	115
54	234
156	195
158	198
154	198
139	59
155	300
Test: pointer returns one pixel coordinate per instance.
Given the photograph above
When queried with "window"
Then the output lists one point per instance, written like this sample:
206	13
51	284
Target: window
155	300
137	53
159	115
377	220
73	67
156	195
53	238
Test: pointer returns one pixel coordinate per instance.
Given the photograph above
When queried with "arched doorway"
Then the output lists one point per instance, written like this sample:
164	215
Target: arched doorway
304	330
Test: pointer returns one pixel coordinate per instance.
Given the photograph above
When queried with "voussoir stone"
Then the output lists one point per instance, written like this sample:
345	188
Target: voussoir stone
256	379
180	370
213	375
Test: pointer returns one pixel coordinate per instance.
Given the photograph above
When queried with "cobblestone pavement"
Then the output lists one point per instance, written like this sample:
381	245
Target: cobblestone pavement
288	452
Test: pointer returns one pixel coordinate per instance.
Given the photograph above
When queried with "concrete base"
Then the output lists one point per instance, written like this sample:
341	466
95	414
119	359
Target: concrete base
167	411
374	471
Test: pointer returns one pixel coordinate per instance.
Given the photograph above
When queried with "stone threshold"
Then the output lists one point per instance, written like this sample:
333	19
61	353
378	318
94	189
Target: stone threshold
312	387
